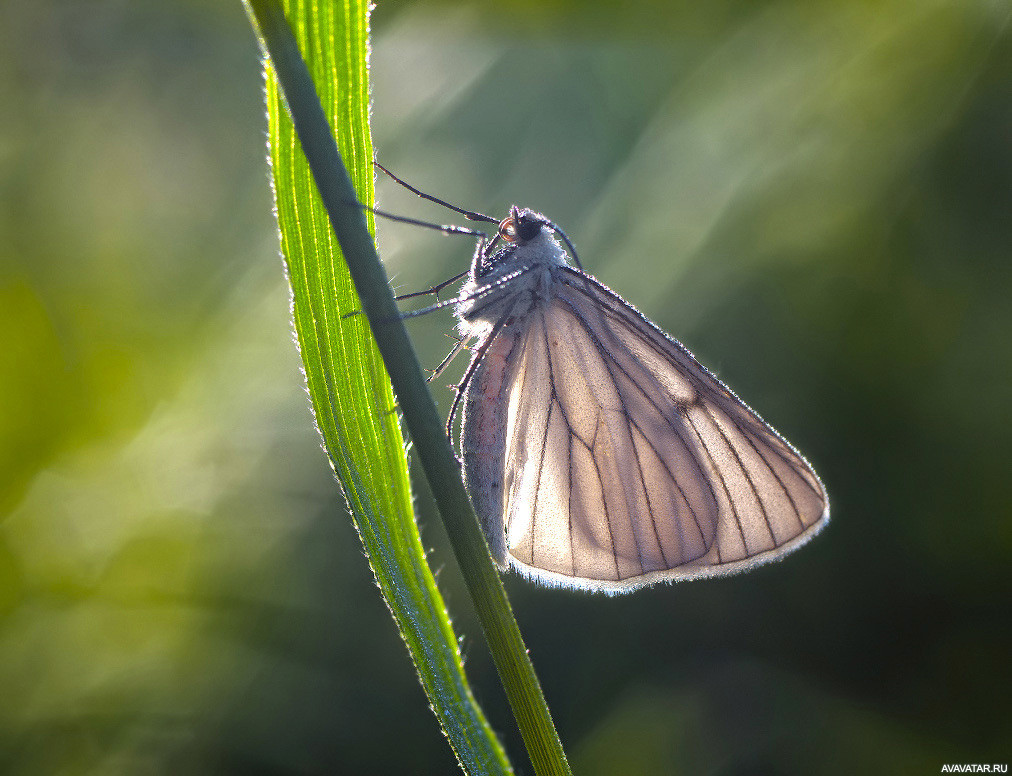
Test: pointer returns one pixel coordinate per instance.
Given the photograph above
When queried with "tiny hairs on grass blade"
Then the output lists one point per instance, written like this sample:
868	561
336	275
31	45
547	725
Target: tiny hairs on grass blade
598	452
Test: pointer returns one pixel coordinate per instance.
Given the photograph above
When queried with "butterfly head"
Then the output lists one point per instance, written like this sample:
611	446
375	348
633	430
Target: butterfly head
521	226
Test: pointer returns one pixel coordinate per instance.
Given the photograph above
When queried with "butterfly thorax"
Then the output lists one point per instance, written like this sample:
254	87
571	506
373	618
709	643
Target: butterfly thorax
510	281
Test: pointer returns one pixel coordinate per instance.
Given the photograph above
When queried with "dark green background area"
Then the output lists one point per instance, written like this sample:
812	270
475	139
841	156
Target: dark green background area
814	197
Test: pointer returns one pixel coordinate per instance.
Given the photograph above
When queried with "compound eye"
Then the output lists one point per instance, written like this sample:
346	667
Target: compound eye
508	229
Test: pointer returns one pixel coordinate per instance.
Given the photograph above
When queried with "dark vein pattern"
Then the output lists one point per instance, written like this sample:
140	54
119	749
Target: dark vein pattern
611	456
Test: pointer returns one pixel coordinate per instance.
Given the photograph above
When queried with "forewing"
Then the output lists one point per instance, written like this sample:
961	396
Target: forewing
629	463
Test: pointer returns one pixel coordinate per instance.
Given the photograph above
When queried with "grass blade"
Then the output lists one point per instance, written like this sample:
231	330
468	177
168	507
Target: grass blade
350	390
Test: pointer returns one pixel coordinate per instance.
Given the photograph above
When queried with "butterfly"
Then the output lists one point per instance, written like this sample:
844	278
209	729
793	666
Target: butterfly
598	452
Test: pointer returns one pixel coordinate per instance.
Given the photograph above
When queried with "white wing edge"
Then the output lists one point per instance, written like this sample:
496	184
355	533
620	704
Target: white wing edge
697	569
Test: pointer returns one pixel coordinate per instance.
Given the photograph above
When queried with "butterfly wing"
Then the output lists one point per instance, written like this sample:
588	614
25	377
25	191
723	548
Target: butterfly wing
623	461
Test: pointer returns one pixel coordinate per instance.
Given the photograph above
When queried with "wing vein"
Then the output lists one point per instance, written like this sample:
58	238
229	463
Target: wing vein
569	506
544	446
674	480
607	516
720	476
608	361
745	474
657	340
646	395
646	491
775	474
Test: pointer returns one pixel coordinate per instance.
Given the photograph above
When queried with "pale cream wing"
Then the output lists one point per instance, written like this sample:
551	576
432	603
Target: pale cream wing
626	462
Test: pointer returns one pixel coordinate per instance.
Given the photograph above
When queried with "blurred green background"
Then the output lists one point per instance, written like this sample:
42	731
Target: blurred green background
814	197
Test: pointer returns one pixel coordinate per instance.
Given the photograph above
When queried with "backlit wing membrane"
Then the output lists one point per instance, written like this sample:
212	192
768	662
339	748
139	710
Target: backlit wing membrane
625	462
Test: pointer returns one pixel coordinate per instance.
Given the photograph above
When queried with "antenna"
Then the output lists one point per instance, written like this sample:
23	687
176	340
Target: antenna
470	215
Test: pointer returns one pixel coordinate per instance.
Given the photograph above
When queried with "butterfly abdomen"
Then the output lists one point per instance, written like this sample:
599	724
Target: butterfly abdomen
483	438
